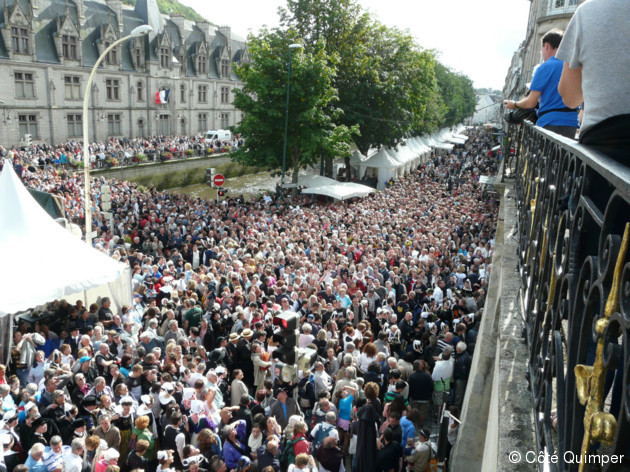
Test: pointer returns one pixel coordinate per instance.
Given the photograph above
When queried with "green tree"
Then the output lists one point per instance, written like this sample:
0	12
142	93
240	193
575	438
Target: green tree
311	129
386	83
457	93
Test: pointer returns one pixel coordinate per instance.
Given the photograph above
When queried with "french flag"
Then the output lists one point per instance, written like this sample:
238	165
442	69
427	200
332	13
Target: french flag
161	97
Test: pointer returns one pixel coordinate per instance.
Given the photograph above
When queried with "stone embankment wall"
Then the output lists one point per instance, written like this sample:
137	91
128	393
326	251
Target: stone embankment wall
176	172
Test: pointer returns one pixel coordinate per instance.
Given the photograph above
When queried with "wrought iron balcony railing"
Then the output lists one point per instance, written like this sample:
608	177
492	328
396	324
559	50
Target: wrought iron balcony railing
574	225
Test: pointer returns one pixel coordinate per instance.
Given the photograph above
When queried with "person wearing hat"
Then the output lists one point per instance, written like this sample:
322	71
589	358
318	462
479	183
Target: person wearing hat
419	455
40	428
284	407
231	346
243	357
11	458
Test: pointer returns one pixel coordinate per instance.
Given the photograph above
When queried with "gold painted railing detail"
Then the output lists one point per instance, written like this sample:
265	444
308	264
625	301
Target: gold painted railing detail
574	266
600	426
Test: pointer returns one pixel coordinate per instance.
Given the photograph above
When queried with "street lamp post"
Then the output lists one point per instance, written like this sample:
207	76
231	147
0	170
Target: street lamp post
286	112
136	32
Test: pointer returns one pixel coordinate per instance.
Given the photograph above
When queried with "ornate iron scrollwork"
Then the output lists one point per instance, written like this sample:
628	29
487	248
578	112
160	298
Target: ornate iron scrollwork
574	210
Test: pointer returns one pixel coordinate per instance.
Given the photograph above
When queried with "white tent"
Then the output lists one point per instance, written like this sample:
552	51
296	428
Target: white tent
43	262
340	190
382	165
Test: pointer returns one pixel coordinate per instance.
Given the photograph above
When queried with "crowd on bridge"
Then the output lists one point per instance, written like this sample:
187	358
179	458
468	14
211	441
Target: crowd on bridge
118	151
389	291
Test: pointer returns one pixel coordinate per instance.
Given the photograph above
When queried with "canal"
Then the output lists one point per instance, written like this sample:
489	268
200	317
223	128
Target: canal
249	185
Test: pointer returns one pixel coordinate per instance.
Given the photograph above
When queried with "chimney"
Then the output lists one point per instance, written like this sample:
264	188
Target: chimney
204	27
179	20
225	31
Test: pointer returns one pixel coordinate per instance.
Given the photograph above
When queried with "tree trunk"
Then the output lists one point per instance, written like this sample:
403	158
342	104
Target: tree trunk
348	169
295	160
328	167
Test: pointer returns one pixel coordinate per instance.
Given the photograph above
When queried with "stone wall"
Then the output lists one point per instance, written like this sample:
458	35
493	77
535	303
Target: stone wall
496	413
176	172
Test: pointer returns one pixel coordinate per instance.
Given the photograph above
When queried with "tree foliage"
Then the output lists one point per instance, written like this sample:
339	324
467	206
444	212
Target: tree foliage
383	83
458	94
172	6
311	126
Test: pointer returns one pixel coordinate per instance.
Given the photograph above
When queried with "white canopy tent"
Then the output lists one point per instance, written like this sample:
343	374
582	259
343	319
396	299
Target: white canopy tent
44	261
382	165
340	190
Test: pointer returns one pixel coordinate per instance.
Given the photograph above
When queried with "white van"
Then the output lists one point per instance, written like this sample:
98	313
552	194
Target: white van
220	134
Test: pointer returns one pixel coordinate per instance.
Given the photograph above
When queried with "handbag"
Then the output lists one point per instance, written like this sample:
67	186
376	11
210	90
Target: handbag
432	466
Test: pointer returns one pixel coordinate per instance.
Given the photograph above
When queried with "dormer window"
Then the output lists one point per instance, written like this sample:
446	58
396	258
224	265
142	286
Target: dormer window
20	40
69	47
112	56
165	58
202	64
225	68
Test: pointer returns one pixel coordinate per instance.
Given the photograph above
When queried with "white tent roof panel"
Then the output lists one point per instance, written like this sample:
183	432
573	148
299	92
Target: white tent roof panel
42	261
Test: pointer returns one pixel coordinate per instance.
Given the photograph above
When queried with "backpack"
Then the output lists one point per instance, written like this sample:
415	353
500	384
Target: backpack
287	456
305	402
322	433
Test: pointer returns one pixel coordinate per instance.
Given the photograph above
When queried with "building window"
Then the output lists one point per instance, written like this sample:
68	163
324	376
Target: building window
113	125
28	125
203	121
225	120
138	54
182	93
225	68
202	64
203	94
165	58
69	46
20	40
112	56
141	128
24	85
113	89
73	88
75	125
225	95
140	91
562	6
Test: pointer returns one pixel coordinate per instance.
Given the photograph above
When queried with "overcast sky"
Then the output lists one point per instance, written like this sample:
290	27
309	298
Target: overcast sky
476	37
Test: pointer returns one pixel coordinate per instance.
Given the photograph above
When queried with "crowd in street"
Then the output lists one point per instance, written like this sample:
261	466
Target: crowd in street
118	151
389	291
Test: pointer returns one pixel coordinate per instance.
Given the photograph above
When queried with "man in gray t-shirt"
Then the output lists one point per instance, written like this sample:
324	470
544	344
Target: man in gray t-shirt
597	64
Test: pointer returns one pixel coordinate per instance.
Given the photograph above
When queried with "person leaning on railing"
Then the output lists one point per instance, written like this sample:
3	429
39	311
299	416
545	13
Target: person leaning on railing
595	75
552	112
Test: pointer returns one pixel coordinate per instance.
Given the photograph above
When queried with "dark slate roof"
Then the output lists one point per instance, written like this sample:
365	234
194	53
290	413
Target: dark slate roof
195	38
97	14
3	49
44	44
24	4
173	33
51	9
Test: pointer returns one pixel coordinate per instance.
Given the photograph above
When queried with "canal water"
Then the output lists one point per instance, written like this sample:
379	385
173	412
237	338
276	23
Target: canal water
250	186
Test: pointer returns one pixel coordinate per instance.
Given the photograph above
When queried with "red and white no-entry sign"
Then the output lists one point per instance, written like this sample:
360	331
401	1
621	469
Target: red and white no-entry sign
218	180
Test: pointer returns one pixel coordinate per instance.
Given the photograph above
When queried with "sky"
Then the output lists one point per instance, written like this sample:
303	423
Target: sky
475	37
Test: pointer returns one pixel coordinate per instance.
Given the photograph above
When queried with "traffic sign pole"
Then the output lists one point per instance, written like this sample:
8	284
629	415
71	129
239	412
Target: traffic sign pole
218	180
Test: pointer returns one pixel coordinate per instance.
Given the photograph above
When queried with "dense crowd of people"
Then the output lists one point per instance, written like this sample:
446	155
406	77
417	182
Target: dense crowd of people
389	291
118	151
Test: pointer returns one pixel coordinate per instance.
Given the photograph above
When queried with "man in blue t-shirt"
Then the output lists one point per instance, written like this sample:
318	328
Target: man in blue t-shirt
552	112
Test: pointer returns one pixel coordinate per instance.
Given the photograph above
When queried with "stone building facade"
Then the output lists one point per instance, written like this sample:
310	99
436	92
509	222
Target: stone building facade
48	48
544	15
